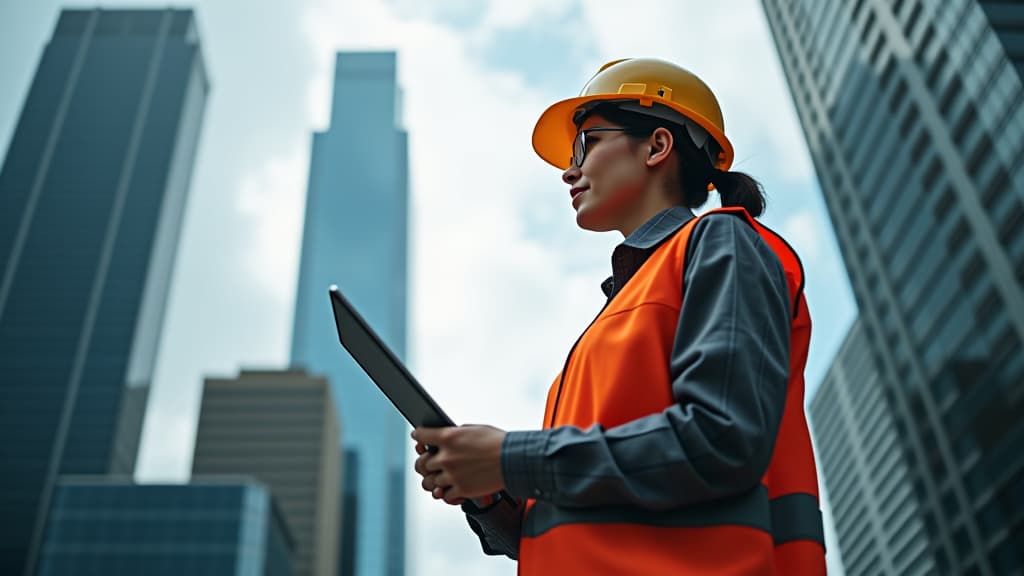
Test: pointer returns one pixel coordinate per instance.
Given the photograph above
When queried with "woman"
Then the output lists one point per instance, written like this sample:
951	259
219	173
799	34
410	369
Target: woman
674	439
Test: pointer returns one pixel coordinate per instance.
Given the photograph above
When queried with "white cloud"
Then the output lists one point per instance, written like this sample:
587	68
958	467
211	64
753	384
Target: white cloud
271	200
522	12
802	231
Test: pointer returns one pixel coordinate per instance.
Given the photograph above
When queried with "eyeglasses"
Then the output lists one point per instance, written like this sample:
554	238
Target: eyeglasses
579	145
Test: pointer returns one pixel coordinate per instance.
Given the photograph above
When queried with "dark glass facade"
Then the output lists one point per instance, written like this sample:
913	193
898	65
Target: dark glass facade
92	193
914	114
880	530
209	527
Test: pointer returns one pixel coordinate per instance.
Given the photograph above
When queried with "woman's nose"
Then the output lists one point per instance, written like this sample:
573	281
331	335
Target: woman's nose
571	174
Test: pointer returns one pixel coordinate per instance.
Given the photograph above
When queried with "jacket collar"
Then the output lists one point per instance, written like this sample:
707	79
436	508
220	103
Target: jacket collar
638	246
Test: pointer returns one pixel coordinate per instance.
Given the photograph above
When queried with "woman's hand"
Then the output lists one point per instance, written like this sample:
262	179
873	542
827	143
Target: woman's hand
466	464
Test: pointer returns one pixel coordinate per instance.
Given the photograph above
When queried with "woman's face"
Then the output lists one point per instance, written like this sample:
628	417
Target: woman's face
610	184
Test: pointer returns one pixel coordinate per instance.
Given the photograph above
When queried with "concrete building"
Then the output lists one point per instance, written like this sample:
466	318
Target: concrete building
281	428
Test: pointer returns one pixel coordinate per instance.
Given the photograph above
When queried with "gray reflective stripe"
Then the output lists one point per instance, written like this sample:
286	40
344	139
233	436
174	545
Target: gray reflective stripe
796	517
748	509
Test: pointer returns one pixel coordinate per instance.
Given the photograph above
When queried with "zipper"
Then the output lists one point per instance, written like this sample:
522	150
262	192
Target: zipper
561	381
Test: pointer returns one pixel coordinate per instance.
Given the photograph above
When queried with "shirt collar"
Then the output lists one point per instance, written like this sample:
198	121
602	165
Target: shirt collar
638	246
659	228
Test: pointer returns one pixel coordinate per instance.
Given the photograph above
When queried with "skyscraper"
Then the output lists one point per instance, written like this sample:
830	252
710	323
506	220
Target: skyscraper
355	236
880	531
281	428
914	115
92	193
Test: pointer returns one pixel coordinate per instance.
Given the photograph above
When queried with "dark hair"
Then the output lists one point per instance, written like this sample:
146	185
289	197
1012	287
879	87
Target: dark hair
695	168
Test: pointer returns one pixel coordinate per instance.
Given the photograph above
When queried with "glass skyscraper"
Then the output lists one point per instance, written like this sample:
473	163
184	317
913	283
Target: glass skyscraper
914	114
355	236
880	530
92	193
209	527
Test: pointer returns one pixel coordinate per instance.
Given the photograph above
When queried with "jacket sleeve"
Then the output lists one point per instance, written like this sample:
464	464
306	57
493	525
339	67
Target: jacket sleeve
498	526
729	369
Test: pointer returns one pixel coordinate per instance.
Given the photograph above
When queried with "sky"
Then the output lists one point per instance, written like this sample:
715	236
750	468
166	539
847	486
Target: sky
489	327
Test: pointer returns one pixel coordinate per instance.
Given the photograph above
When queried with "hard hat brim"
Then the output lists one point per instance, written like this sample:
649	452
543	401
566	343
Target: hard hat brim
555	131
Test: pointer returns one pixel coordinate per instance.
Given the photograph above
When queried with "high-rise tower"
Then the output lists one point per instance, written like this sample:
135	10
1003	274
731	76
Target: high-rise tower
914	115
92	193
355	236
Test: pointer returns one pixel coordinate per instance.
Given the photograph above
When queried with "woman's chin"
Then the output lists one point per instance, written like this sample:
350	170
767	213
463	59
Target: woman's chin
588	220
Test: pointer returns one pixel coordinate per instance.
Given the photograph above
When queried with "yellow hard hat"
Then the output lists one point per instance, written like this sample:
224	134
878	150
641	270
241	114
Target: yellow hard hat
645	81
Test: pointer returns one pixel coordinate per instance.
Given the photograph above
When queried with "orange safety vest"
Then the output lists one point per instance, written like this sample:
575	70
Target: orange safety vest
774	528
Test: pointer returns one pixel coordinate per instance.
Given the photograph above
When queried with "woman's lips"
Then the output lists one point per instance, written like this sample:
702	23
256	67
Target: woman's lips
576	194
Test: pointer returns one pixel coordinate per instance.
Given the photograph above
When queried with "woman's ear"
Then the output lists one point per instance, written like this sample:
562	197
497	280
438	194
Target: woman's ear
659	146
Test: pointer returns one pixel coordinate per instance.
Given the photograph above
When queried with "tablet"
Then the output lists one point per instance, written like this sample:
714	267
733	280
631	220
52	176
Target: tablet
383	367
388	372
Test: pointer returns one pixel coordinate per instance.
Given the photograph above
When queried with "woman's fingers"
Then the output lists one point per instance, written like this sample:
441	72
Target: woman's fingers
420	466
434	462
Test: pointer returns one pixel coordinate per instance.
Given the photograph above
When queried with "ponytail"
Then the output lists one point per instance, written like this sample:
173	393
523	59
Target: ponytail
739	189
734	188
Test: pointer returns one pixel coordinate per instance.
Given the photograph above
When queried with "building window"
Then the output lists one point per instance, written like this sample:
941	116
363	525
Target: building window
856	8
936	68
957	236
971	271
981	150
908	121
1011	224
897	95
967	118
915	13
932	173
999	183
919	145
886	77
963	543
952	90
904	370
876	49
924	44
989	305
943	204
949	505
897	6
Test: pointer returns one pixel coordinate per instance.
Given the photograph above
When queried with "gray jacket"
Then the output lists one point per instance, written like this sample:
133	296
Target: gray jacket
729	368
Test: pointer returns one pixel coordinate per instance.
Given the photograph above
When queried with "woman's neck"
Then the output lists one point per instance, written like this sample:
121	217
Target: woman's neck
654	201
